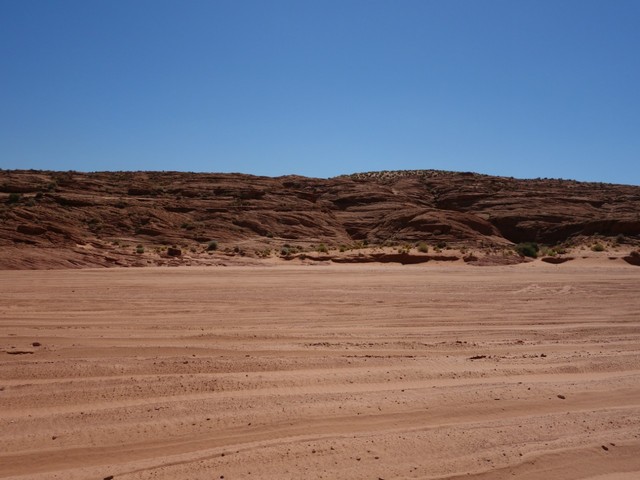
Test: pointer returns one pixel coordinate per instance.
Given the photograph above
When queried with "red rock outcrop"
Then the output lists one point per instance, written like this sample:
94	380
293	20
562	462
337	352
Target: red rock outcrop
72	219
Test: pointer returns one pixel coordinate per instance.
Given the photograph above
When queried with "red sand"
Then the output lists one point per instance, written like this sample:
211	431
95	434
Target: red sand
336	372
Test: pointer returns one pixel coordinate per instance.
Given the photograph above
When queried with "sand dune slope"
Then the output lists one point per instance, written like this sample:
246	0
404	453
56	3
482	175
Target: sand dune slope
340	372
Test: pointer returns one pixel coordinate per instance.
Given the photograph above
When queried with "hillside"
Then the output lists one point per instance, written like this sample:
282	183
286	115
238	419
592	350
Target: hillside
72	219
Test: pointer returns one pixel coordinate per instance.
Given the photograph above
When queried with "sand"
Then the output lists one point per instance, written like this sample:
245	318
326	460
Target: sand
337	372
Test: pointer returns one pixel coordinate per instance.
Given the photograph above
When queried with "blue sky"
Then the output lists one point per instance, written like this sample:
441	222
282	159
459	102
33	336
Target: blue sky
524	88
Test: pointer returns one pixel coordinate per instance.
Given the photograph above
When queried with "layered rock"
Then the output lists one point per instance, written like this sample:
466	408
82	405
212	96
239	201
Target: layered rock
96	219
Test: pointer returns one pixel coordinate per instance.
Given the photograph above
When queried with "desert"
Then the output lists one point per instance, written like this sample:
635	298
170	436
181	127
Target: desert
329	371
389	325
303	240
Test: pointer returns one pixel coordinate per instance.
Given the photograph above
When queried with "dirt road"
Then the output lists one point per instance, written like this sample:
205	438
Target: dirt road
335	372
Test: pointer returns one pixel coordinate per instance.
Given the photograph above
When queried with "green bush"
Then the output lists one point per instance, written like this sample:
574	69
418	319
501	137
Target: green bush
322	248
548	252
288	250
527	249
423	247
598	247
213	245
14	198
140	249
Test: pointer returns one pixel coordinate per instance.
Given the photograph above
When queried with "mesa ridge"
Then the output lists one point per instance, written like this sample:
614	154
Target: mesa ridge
74	219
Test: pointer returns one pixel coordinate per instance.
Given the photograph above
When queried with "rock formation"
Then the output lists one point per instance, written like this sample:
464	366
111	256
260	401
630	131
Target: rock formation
73	219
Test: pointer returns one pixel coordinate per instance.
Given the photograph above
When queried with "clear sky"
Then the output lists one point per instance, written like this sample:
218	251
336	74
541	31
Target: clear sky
524	88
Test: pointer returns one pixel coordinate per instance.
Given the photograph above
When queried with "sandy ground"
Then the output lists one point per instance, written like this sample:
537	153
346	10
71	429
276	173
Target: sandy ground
338	372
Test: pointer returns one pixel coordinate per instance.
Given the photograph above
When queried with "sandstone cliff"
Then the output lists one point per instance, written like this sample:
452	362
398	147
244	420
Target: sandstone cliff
72	219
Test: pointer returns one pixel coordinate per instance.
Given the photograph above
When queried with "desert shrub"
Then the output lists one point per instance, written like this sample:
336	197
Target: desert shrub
140	249
527	249
441	244
635	254
287	250
14	198
322	248
423	247
598	247
549	252
212	245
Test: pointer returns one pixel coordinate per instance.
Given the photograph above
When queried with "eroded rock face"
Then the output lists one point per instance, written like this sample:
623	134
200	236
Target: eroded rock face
90	215
30	229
